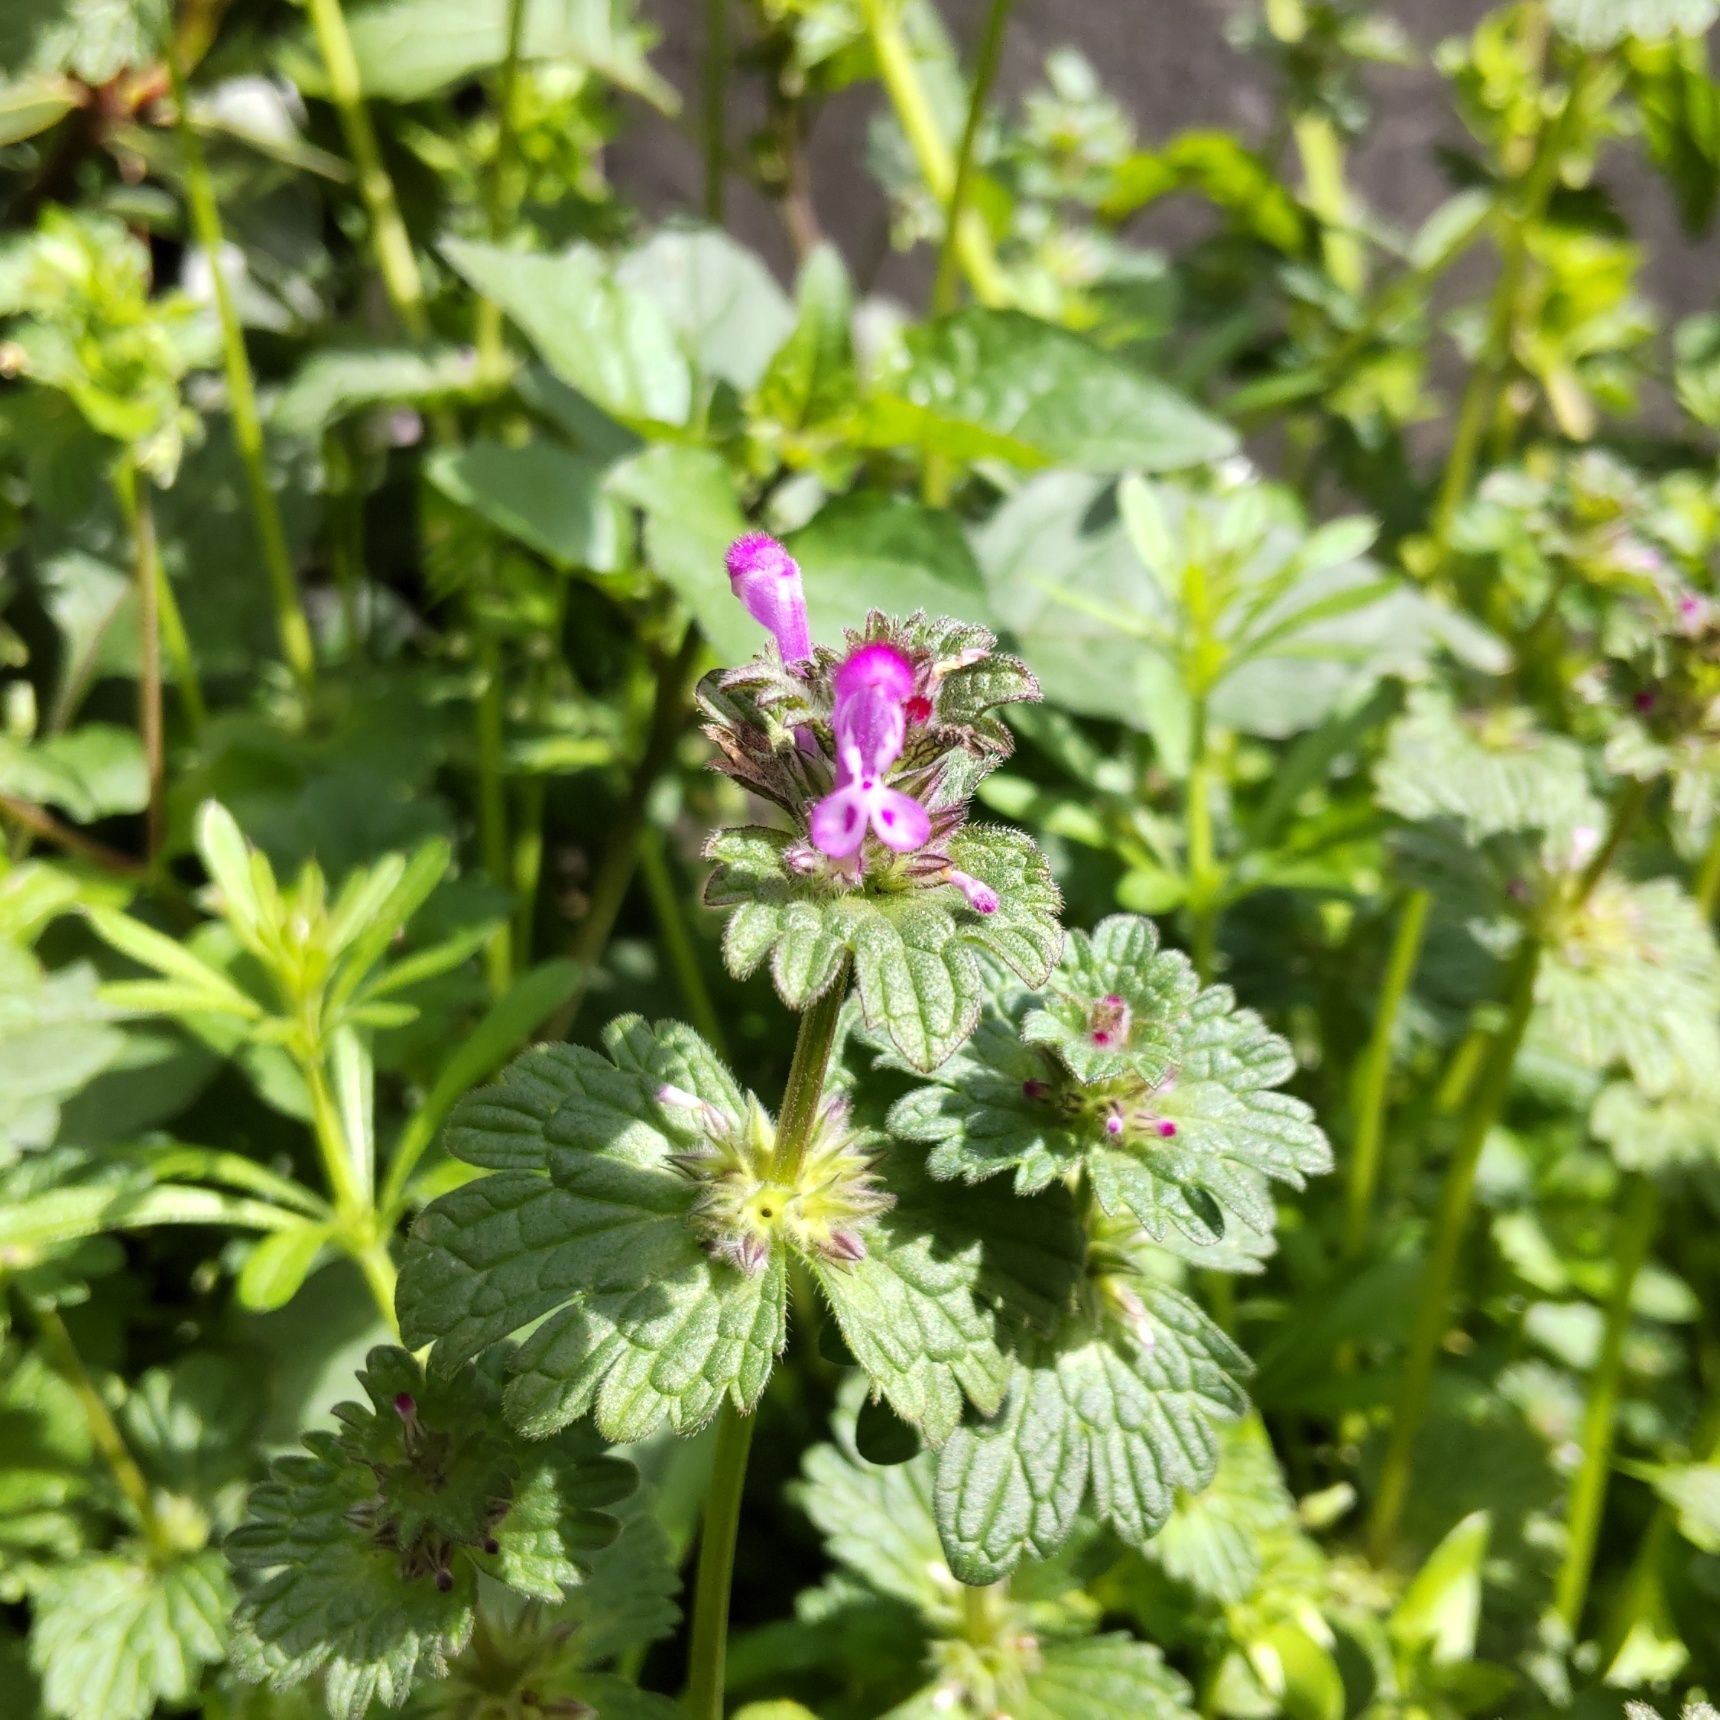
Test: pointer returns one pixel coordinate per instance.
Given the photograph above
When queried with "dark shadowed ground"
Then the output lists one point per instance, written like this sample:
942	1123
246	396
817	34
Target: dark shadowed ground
1169	63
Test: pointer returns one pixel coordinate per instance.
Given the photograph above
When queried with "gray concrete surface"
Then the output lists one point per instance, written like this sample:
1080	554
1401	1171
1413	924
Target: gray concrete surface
1169	63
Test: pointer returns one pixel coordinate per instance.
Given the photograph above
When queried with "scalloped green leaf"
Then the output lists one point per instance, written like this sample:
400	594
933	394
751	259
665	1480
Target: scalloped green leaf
588	1220
1633	978
1001	1105
118	1633
1493	772
915	949
1125	1412
368	1548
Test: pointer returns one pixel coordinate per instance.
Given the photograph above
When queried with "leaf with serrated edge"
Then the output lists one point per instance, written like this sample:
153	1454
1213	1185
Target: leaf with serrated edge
586	1220
1129	1414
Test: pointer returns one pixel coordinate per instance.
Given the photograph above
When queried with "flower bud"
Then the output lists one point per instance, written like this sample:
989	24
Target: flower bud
766	578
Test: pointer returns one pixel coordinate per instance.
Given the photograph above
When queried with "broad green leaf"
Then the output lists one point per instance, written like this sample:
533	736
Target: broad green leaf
613	345
366	1550
992	384
810	376
33	104
90	773
1126	1410
337	382
1602	24
117	1633
546	496
1692	1490
55	1037
1659	1135
94	40
1297	1672
279	1264
1441	1609
718	296
407	50
870	550
916	952
1103	1678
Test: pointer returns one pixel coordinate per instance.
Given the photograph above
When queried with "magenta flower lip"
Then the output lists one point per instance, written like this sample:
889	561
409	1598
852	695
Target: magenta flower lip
872	685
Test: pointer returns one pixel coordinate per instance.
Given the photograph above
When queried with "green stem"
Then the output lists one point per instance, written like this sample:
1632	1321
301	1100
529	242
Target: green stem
290	624
492	804
1589	1488
935	476
1627	809
1486	376
395	257
678	941
1374	1069
1707	885
1434	1303
492	354
104	1430
1203	880
134	504
710	1639
352	1202
913	109
377	1265
1327	193
716	84
345	526
805	1086
615	870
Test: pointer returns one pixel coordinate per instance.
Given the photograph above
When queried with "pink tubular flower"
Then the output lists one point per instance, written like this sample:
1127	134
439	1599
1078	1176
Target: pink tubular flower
872	690
766	578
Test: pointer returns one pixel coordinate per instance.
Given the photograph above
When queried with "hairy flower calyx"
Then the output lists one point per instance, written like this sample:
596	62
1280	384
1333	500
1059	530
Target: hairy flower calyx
746	1209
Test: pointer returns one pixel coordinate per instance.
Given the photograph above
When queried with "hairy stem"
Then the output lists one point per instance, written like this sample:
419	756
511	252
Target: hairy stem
1203	879
37	821
710	1639
935	477
395	258
492	804
1439	1275
615	870
1487	374
1374	1070
805	1088
498	187
134	504
104	1430
1589	1488
290	623
913	109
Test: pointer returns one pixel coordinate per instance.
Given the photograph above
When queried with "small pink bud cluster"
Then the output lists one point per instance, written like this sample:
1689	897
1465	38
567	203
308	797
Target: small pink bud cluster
1110	1021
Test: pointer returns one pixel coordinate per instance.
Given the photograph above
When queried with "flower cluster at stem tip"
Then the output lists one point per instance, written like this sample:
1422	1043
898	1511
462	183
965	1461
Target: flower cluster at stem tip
880	698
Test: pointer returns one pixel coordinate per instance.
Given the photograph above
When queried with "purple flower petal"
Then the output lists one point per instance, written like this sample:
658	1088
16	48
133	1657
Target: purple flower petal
766	578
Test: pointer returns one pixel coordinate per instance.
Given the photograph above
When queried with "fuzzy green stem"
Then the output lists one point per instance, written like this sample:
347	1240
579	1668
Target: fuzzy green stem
1438	1276
678	941
1589	1487
492	805
710	1639
1486	376
805	1087
492	355
935	476
1707	884
615	870
395	258
290	623
134	504
351	1201
1374	1069
104	1430
913	109
1203	878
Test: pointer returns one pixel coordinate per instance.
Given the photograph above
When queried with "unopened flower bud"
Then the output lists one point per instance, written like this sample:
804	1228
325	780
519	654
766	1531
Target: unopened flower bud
766	578
845	1246
981	897
405	1406
1109	1021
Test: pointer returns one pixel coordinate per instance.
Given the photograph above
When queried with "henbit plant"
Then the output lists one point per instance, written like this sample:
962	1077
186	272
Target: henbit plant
644	1222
